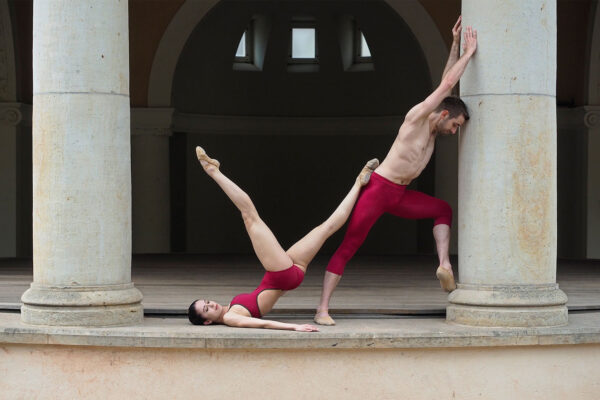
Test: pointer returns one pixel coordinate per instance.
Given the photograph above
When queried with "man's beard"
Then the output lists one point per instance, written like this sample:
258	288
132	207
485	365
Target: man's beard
442	132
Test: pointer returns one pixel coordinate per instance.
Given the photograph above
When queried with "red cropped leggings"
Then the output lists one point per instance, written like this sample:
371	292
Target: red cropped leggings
383	196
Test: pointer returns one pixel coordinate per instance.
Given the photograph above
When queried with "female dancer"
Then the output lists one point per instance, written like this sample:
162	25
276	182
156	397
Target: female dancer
285	269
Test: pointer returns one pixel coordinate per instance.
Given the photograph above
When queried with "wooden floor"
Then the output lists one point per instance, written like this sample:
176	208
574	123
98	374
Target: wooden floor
371	285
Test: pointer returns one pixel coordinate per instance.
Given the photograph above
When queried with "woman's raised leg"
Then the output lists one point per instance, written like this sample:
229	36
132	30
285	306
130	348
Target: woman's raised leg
267	248
306	248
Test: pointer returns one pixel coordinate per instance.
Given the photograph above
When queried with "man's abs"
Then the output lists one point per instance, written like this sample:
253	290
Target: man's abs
404	162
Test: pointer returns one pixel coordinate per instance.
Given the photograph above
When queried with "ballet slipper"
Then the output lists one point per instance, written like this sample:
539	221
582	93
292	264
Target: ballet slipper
365	174
202	156
324	320
446	279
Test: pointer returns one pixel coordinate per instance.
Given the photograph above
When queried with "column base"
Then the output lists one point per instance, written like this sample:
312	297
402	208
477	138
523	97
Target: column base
108	305
508	305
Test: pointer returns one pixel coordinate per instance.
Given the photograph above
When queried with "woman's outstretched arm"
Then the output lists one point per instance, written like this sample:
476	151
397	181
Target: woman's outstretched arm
241	321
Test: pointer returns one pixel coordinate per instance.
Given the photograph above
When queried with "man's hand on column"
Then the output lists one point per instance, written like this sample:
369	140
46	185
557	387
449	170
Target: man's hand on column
470	41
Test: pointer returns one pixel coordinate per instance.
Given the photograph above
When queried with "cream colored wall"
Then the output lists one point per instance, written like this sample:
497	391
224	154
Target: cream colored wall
60	372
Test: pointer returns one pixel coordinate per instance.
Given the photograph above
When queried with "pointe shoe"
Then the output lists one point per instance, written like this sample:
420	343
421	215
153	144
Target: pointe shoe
201	154
324	320
365	174
446	279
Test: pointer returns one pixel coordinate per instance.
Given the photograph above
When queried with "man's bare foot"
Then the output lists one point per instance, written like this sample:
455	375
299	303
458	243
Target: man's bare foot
365	174
323	318
446	278
204	159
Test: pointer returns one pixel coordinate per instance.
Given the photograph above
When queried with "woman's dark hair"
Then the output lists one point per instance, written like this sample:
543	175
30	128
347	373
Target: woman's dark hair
193	315
455	107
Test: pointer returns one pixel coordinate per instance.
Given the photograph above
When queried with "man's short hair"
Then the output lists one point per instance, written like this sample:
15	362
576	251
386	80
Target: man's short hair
455	107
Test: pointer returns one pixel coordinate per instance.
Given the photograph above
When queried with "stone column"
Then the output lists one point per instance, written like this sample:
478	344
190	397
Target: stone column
81	167
507	170
151	128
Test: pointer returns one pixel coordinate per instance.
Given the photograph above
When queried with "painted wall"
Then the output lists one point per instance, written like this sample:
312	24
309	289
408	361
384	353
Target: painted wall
206	83
541	372
386	89
295	179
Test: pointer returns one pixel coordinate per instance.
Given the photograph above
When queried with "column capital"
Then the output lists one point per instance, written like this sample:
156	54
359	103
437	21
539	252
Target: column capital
14	114
578	117
155	121
591	118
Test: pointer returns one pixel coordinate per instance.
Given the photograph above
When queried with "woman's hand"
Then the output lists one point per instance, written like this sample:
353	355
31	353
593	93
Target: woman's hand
306	328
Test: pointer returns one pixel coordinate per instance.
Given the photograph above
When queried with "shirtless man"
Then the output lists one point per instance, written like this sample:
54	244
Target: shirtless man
438	114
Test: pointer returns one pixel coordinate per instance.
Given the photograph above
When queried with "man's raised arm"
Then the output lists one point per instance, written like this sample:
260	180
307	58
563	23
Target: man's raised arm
455	48
450	79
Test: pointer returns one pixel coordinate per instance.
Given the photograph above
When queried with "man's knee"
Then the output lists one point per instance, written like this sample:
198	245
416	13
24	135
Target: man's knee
444	214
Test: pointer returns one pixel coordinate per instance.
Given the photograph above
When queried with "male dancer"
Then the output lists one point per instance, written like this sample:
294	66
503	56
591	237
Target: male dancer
438	114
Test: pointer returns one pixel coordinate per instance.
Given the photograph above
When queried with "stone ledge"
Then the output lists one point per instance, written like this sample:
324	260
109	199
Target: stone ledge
351	333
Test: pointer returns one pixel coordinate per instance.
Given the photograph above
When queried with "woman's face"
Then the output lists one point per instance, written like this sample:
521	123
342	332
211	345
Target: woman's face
209	310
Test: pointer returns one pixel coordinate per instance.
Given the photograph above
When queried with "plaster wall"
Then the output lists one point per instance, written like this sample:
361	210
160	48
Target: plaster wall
296	178
9	139
205	81
593	145
150	193
9	192
58	372
295	181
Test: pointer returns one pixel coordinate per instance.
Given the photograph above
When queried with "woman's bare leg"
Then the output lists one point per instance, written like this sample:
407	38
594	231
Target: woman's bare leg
267	248
306	248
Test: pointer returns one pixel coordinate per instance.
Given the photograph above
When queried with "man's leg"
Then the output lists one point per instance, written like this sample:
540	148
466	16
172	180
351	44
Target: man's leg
441	233
368	209
330	282
417	205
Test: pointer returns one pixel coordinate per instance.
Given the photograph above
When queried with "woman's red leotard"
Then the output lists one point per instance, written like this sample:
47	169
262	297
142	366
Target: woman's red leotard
287	279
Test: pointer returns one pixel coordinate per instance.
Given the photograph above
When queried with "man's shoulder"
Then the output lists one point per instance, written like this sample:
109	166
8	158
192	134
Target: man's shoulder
412	126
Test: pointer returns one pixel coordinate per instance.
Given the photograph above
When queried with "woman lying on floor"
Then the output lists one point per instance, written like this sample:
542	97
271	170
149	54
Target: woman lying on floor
284	269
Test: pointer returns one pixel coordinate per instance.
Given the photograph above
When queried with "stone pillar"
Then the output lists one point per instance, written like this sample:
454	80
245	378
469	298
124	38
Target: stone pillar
507	170
151	128
81	167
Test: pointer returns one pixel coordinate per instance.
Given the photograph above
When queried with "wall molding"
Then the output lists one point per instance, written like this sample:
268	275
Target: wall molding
237	125
15	114
574	117
155	121
592	117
